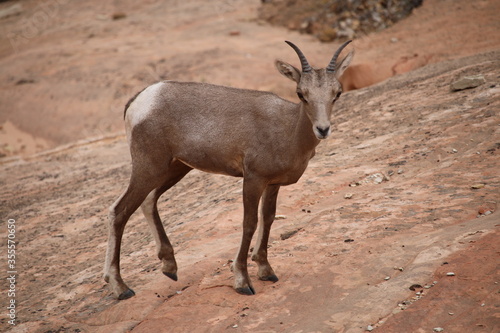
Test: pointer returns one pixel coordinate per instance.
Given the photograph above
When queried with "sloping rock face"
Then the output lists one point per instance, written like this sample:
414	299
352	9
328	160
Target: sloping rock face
407	182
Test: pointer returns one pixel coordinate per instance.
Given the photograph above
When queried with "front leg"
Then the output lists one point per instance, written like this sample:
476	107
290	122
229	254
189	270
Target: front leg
259	254
252	191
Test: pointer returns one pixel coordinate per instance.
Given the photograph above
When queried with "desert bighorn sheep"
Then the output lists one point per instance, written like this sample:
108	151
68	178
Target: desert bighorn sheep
173	127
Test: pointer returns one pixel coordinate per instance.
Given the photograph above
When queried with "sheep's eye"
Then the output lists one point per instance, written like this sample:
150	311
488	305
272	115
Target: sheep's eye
301	96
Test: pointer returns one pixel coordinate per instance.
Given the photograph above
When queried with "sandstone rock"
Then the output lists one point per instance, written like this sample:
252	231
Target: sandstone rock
467	82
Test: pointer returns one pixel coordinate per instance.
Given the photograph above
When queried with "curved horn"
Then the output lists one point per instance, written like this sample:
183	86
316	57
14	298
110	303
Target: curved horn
306	68
333	62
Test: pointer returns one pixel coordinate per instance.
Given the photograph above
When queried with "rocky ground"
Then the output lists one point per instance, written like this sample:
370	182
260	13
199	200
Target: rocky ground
338	19
403	194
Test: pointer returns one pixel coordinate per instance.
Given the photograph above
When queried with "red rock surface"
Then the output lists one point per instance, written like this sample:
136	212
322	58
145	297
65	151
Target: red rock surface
426	146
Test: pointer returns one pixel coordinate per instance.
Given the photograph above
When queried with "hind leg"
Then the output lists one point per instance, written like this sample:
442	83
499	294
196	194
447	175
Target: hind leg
176	171
144	179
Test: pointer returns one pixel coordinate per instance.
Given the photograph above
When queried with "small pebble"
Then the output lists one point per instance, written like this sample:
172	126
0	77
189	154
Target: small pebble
450	274
118	16
369	328
348	196
387	278
438	329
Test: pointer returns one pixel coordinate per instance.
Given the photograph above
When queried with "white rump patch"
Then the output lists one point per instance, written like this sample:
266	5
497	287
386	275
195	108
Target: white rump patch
142	105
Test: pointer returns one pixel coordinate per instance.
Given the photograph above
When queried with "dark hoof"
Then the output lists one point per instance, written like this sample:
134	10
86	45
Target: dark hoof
172	276
246	291
272	278
126	294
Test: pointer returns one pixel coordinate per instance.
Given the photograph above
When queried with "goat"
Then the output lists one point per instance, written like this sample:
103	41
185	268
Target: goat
173	127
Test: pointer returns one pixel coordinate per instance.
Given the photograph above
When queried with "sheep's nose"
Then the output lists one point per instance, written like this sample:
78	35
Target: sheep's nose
323	131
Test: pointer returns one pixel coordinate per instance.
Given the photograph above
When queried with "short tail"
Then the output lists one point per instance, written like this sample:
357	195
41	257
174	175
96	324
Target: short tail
130	101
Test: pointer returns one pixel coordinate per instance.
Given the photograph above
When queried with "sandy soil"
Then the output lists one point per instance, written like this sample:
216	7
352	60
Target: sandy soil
419	163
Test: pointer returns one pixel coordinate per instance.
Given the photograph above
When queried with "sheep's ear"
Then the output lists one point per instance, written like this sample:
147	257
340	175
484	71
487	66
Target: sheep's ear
288	70
344	64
